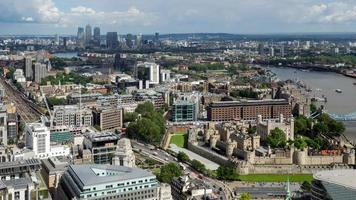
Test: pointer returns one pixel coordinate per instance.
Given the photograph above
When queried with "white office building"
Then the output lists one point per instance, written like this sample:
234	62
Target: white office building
38	141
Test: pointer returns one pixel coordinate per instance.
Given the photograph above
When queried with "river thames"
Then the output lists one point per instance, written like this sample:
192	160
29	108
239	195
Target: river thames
326	83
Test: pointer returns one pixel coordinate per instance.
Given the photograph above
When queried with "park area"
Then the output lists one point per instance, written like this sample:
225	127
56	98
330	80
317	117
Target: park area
276	177
180	139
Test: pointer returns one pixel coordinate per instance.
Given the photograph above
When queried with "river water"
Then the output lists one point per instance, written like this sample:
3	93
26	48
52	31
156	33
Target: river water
325	83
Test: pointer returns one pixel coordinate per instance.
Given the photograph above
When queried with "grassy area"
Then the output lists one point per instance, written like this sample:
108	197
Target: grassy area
276	177
179	139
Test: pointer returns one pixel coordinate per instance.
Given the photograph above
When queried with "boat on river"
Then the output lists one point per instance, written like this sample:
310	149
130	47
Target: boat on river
338	90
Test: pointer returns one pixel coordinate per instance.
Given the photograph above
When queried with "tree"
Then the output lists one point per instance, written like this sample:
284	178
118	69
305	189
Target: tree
300	143
321	128
313	108
150	127
301	125
130	117
197	165
245	196
53	101
146	107
227	173
169	172
183	157
277	138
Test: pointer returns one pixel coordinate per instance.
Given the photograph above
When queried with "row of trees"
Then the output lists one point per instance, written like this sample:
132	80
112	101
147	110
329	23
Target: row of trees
247	93
66	79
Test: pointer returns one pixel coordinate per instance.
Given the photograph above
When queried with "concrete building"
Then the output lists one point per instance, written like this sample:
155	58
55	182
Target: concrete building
124	156
28	68
248	110
12	126
38	141
3	125
108	182
72	116
107	118
334	184
102	146
40	71
52	171
151	72
165	75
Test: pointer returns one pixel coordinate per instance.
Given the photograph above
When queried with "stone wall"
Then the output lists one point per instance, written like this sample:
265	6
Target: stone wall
208	154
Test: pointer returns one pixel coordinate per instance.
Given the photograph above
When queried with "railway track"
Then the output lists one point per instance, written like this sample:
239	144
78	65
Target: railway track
25	108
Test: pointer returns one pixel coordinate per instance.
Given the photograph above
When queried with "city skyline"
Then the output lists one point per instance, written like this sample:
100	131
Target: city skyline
239	17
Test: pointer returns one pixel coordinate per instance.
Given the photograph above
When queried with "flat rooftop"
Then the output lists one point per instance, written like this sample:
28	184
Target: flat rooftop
249	103
343	177
92	174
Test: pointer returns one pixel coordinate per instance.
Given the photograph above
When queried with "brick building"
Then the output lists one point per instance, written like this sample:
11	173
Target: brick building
248	110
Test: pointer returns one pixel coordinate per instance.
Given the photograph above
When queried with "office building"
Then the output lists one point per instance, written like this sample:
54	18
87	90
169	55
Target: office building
337	184
12	126
184	111
28	68
72	116
3	125
81	37
88	35
111	40
165	75
129	40
107	118
37	137
96	36
148	71
102	146
248	109
40	72
108	182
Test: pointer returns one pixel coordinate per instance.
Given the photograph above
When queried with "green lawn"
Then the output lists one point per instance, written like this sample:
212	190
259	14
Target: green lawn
276	177
179	139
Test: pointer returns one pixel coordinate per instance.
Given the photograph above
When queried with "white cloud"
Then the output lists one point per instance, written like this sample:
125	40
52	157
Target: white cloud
324	13
82	10
46	12
27	19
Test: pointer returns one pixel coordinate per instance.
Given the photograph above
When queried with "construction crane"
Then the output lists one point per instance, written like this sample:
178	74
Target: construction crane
49	110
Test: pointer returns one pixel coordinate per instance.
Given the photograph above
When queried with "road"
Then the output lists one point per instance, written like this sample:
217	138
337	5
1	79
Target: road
219	188
24	107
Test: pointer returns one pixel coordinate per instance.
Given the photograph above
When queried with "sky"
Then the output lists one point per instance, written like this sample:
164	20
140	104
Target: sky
177	16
